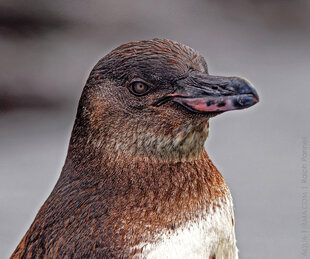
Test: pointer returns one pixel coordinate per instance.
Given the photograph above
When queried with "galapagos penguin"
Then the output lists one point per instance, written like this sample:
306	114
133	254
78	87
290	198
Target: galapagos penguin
137	181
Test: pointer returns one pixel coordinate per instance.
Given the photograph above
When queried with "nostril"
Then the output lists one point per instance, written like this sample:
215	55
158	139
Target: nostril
214	87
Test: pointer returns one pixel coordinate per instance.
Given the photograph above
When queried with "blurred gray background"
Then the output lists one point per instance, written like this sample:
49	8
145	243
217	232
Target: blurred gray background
47	49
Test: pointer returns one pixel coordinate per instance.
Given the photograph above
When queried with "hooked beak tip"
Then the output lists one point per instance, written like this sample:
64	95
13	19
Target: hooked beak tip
256	98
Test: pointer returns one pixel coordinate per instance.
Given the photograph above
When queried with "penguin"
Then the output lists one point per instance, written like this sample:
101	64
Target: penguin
137	181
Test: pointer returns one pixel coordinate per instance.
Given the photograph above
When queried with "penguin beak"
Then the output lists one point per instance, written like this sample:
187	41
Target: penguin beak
203	93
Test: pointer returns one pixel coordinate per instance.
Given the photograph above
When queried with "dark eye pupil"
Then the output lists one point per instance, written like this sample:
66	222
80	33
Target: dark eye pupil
139	88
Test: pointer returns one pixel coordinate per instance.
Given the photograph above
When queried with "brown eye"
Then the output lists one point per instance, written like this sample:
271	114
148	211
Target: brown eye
139	88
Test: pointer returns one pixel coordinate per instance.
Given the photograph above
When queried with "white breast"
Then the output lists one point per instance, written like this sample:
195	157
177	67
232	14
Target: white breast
211	234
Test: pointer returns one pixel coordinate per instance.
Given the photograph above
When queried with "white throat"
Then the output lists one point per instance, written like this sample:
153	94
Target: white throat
212	234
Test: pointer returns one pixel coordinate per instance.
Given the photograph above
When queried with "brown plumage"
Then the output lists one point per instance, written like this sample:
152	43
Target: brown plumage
136	165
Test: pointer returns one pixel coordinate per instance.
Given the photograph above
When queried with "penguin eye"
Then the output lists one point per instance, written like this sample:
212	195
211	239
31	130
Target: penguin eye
138	88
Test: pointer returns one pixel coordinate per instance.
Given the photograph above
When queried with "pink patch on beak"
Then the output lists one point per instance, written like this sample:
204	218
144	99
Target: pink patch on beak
208	104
